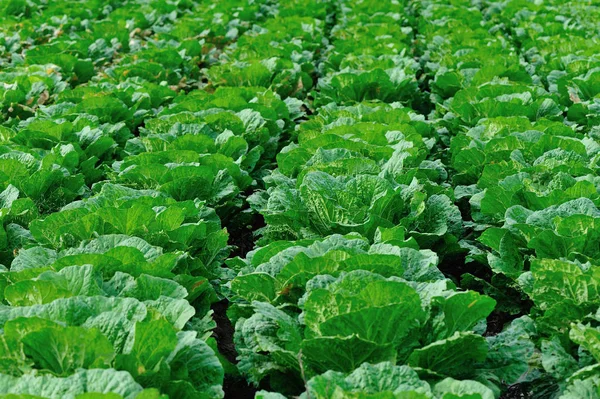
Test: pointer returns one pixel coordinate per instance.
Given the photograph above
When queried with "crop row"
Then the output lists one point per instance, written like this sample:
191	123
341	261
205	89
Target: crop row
418	179
355	303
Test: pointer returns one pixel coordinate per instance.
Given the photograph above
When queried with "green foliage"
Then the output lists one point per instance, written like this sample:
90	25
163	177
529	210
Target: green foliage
386	199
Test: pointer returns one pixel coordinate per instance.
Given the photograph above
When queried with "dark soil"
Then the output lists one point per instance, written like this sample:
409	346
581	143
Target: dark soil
224	331
238	388
241	234
496	322
517	391
234	386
